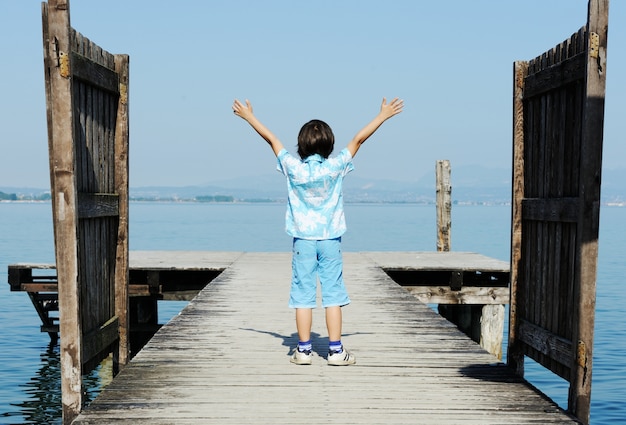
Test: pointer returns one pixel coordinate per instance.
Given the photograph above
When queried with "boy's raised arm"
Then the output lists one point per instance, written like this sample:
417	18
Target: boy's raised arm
245	112
387	110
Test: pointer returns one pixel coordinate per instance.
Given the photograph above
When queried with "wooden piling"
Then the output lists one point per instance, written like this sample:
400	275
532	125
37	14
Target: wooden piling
444	205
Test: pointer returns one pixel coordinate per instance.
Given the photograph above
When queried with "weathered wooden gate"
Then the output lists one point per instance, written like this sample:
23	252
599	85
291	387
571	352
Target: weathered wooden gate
87	110
557	158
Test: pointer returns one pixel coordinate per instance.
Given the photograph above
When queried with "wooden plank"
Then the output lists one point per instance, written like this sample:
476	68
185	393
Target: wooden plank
97	75
182	260
466	295
156	260
22	277
546	342
551	209
555	76
100	339
424	260
225	359
39	287
179	295
139	291
94	205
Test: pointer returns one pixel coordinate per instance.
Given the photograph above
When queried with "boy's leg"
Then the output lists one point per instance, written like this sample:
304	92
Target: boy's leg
333	323
302	296
302	353
334	296
330	270
337	354
304	320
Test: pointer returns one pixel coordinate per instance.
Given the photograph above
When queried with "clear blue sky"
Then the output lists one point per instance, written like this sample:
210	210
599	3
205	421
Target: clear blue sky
451	62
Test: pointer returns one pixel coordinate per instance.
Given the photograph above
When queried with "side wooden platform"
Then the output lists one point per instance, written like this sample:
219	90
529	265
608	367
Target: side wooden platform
153	275
448	277
225	359
149	272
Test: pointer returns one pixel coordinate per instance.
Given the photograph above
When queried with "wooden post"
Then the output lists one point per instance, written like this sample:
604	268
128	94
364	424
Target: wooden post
122	354
492	328
579	399
515	354
444	205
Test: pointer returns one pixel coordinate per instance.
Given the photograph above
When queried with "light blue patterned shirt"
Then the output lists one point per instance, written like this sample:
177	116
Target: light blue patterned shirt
314	194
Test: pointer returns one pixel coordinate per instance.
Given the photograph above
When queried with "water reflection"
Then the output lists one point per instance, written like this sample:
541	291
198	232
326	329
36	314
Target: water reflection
42	393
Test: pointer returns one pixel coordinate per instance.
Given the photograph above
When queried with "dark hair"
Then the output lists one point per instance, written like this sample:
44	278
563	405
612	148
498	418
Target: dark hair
315	137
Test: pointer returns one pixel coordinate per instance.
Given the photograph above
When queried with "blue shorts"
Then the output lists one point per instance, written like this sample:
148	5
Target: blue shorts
313	258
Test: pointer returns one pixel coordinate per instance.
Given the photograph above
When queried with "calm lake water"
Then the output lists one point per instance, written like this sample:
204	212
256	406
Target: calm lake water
29	365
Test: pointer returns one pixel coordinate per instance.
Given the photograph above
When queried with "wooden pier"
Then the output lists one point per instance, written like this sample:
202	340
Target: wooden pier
225	358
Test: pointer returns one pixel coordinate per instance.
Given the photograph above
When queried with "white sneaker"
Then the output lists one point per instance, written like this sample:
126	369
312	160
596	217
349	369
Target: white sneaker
341	358
301	357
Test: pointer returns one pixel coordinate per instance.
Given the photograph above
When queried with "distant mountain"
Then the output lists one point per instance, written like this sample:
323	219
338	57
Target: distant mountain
470	184
257	187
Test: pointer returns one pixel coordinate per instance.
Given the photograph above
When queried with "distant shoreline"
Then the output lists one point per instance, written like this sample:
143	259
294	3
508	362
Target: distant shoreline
611	204
174	200
364	197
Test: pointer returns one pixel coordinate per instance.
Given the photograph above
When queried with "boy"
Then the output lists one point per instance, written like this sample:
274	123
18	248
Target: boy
316	221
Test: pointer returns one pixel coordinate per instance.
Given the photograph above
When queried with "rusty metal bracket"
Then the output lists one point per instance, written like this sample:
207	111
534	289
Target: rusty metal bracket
594	45
64	64
123	93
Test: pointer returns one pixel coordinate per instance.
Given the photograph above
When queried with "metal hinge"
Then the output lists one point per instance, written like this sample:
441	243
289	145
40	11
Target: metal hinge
594	45
123	94
581	355
64	64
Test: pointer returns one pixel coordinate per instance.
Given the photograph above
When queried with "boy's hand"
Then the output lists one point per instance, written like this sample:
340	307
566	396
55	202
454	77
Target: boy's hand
241	110
245	112
388	110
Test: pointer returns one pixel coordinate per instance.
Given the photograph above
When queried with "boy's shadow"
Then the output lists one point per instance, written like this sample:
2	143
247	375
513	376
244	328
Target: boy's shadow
320	343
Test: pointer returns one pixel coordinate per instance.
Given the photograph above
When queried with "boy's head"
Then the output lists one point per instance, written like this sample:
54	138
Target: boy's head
315	137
